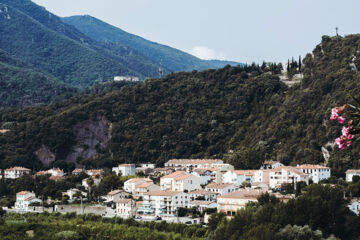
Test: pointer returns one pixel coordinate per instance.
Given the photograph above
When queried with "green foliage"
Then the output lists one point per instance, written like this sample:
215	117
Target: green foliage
21	85
322	208
54	226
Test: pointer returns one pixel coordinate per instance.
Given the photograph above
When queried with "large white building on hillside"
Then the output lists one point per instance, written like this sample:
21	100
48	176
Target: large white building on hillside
180	181
24	199
221	188
231	203
316	173
125	208
16	172
130	185
190	164
163	202
238	177
286	175
125	169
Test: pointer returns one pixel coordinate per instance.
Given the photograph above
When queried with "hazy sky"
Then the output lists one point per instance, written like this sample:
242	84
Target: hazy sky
244	31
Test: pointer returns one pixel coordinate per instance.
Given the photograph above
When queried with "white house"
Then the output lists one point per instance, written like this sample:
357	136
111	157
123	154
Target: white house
116	195
95	172
24	199
355	205
71	193
77	171
238	177
125	208
271	165
203	194
350	173
16	172
180	181
163	202
125	169
190	164
221	188
202	205
316	172
204	175
262	176
130	185
285	175
142	188
231	203
56	172
148	165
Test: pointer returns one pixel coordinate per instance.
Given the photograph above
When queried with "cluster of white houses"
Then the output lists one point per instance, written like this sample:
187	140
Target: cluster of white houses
201	183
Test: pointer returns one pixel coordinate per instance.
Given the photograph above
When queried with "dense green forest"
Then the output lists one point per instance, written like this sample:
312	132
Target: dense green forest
170	58
243	114
21	85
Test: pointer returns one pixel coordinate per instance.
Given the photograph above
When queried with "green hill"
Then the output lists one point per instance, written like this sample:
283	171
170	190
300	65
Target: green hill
242	114
21	85
171	58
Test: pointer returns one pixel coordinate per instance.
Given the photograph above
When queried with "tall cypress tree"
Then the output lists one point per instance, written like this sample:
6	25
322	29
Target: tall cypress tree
300	63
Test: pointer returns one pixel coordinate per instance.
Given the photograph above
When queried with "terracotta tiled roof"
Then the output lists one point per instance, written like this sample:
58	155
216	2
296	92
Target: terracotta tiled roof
40	173
17	169
201	192
55	178
200	202
201	170
245	172
194	161
144	185
125	200
2	131
357	171
114	192
126	165
219	185
23	193
289	168
162	193
243	194
178	175
310	166
270	162
78	170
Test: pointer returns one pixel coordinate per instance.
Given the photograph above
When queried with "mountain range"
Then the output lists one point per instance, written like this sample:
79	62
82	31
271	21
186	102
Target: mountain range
75	60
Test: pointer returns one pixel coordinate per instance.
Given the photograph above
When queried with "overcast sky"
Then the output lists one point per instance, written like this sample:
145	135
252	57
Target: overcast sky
244	31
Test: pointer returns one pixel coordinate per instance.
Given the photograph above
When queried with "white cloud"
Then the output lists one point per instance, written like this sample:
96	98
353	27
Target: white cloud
205	53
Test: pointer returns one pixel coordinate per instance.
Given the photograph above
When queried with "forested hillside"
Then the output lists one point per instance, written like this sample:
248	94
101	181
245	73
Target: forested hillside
21	85
243	114
170	58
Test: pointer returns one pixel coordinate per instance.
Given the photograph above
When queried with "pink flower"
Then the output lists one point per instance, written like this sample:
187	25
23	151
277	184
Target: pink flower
345	131
348	143
341	120
334	113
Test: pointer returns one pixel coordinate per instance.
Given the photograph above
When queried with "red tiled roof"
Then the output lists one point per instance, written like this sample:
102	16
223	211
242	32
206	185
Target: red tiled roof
162	193
310	166
17	169
219	185
23	193
193	161
243	194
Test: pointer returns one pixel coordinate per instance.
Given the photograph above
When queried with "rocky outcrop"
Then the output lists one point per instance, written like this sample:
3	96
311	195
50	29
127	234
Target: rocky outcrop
90	135
45	156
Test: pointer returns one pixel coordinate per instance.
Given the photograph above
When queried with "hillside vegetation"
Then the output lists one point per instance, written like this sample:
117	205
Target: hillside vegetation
170	58
243	114
21	85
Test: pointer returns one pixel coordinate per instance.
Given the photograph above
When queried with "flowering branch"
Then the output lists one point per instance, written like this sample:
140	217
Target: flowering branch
349	130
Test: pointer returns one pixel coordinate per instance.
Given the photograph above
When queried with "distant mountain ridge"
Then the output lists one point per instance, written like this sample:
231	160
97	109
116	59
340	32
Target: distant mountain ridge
171	58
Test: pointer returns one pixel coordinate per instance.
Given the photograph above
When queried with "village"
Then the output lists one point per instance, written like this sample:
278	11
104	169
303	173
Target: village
182	186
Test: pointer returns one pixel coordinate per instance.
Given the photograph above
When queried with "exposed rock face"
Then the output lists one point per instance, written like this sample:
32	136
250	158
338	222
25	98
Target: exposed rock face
90	135
45	156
